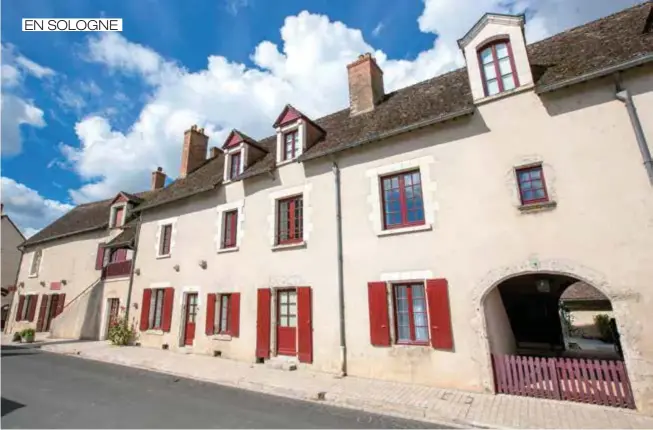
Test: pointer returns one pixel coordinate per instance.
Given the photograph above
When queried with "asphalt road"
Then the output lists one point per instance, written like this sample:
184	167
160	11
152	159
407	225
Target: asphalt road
44	390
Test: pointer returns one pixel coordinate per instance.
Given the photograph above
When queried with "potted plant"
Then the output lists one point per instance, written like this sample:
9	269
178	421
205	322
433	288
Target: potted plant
28	335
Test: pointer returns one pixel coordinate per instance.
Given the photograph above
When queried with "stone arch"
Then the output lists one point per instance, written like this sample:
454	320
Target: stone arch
532	265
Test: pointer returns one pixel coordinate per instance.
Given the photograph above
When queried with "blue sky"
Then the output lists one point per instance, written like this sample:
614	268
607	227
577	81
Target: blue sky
85	115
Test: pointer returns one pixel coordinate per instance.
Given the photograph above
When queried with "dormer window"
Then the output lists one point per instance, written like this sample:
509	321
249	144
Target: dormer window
234	165
119	215
117	218
498	68
291	145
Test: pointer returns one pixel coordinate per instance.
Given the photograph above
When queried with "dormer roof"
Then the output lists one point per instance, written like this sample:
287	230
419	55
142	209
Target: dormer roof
499	18
123	196
290	114
237	137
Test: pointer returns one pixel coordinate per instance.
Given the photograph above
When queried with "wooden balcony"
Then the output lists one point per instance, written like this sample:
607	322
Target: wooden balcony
118	269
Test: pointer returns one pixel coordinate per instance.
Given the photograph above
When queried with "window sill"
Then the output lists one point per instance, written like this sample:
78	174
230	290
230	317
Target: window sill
537	207
154	332
33	276
284	162
402	230
159	257
412	344
222	336
226	250
281	247
520	89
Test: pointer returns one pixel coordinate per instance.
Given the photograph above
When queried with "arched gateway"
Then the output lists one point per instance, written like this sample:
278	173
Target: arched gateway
549	332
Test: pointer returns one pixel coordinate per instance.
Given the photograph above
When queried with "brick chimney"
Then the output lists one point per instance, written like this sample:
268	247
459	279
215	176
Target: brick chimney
158	179
194	152
365	84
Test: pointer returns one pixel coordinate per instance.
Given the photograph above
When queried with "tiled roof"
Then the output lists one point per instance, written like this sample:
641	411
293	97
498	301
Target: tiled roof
125	238
82	218
581	291
573	54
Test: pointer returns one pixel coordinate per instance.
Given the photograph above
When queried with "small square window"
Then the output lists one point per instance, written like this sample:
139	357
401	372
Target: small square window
532	188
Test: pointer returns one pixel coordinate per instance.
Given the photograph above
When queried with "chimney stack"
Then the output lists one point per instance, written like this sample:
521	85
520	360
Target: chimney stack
158	179
365	84
214	152
194	152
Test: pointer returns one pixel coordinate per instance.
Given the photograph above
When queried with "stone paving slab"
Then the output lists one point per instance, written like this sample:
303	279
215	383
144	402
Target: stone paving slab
441	406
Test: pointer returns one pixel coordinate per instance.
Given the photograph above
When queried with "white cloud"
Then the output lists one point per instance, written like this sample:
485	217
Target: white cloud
234	6
15	113
10	76
27	208
307	69
33	68
377	30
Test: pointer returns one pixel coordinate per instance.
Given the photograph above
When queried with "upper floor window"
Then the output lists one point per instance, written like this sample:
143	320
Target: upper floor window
118	218
234	165
532	188
403	205
290	220
498	68
229	229
290	145
164	243
36	262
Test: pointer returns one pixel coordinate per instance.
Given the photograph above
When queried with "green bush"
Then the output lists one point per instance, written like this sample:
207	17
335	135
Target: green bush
28	332
120	332
602	322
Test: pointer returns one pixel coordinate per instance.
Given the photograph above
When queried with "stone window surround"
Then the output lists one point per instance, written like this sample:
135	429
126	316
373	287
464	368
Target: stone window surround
112	214
31	264
549	180
221	210
305	191
242	148
298	125
428	189
173	234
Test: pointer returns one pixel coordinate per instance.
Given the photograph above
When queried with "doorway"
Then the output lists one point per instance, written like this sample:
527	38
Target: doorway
190	316
114	308
287	322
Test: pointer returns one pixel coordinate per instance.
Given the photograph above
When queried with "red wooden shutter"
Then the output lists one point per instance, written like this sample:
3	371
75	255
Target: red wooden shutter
263	323
31	312
168	299
439	313
60	303
304	325
41	319
21	303
145	309
379	321
99	258
210	314
234	314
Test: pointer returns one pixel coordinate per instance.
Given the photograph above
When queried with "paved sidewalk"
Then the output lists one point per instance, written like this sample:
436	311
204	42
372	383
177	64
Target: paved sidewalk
442	406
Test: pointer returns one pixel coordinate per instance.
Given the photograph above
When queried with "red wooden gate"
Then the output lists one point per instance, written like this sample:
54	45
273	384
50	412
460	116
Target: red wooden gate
602	382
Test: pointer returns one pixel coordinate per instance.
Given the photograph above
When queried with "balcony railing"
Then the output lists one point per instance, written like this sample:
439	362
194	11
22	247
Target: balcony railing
114	270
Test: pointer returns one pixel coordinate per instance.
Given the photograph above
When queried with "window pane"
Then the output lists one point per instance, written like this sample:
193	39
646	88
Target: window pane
403	333
292	321
529	195
152	309
292	309
421	334
504	66
502	50
490	71
526	185
492	87
408	180
486	55
416	178
393	219
508	82
539	194
395	182
386	184
535	174
537	184
283	297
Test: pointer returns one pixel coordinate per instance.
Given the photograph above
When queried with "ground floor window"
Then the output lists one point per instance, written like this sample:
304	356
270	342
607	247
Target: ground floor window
156	309
410	313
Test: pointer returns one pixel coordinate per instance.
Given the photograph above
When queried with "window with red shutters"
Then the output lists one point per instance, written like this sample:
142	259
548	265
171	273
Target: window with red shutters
403	205
229	229
222	325
497	67
99	258
411	323
263	322
155	311
437	291
290	145
31	308
234	165
532	188
166	237
168	301
210	314
290	220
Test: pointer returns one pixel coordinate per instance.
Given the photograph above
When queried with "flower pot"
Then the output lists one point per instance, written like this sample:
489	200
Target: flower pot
28	338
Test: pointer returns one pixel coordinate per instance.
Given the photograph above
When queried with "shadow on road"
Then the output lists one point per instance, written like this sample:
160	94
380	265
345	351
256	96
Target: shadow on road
10	350
8	406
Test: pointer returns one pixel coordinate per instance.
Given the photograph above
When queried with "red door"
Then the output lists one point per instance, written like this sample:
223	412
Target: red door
191	312
114	307
287	322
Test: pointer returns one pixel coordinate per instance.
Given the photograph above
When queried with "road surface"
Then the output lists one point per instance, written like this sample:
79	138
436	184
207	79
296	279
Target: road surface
44	390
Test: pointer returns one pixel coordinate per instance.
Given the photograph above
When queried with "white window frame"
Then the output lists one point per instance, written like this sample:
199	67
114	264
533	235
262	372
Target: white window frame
375	200
173	234
112	215
221	210
299	126
228	152
307	214
34	274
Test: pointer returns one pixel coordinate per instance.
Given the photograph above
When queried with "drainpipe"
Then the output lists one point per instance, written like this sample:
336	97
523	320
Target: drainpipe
341	288
625	97
131	273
